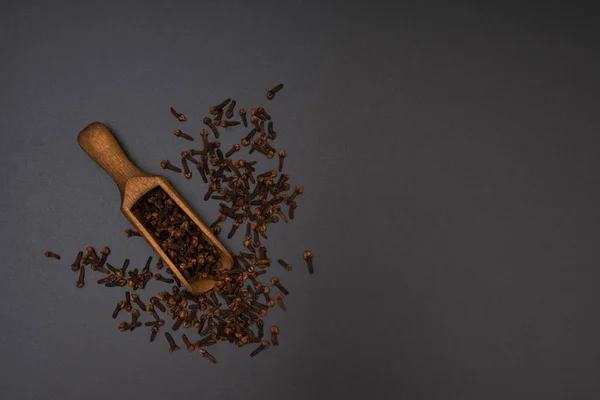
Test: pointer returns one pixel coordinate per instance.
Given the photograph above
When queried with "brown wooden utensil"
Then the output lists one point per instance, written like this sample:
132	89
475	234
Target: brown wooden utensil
99	143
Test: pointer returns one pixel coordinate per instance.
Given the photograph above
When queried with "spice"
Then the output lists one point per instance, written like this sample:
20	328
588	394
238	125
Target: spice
50	254
282	155
77	263
229	113
179	133
173	346
206	354
135	298
293	206
308	256
215	109
272	134
128	301
187	173
275	282
165	164
204	134
274	333
234	148
177	235
130	233
161	278
118	308
177	115
285	265
234	309
153	334
271	92
124	267
260	112
279	298
80	281
263	346
209	123
242	113
103	255
190	347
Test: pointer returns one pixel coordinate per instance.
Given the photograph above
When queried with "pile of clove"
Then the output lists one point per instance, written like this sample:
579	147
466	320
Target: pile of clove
243	194
234	310
177	234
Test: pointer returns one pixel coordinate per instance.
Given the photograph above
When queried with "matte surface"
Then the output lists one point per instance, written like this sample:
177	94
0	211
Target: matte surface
449	158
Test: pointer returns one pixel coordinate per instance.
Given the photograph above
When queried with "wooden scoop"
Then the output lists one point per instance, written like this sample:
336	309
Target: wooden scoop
97	141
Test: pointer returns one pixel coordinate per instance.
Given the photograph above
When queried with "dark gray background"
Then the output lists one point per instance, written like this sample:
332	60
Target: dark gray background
449	158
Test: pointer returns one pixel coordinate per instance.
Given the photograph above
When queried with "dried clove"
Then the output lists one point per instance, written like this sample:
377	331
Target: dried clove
165	164
308	257
285	265
242	113
263	346
130	233
271	92
275	282
206	354
50	254
80	281
274	333
179	133
77	263
229	113
172	344
177	115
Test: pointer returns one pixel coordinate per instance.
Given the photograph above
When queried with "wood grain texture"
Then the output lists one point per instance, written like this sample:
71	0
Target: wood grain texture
99	143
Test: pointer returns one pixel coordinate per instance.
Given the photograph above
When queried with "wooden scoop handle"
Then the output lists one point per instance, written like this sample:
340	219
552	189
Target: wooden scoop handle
97	141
